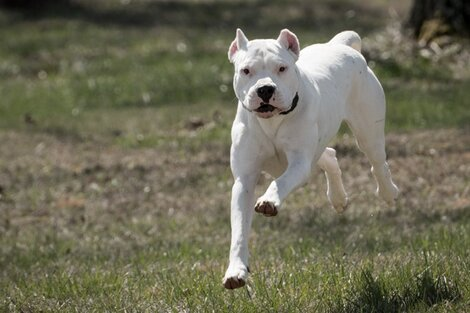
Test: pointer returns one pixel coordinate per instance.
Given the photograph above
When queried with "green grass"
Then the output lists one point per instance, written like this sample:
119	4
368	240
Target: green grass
130	266
115	183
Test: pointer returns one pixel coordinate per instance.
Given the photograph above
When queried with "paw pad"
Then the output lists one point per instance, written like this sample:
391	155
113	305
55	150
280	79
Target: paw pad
266	208
233	283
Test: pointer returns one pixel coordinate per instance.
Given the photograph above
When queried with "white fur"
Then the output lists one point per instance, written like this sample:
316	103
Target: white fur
334	84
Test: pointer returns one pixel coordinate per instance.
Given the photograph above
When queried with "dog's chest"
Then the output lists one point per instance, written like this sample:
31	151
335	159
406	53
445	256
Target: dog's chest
270	127
272	138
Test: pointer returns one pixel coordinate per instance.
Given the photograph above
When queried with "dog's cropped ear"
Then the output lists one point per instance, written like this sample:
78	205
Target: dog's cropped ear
240	43
288	40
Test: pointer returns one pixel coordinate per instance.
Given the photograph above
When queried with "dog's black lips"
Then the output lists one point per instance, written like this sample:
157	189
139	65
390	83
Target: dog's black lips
265	108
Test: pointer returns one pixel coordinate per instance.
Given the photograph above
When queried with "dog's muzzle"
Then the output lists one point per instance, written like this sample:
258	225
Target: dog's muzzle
266	107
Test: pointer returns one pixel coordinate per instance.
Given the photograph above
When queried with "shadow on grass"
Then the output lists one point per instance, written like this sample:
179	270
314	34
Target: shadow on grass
373	295
213	15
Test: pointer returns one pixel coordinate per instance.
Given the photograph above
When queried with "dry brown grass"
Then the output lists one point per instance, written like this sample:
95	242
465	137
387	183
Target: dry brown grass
44	178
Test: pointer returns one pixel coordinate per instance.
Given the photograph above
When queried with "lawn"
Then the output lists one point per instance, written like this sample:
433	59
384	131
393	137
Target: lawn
115	183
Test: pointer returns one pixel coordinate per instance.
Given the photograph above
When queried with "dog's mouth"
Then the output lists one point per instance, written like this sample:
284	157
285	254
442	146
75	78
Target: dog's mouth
265	107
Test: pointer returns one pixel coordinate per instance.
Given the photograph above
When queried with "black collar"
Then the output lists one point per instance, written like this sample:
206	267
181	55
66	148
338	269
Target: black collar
293	105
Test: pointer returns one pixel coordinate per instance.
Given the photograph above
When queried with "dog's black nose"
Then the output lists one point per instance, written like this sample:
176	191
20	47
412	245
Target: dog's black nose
265	93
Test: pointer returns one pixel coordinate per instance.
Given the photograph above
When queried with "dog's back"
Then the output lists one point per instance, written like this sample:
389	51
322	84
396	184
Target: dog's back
336	69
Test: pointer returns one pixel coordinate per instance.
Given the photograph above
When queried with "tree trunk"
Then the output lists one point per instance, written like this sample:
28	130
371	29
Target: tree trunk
432	18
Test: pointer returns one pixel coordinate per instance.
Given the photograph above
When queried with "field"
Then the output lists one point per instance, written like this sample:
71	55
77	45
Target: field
115	183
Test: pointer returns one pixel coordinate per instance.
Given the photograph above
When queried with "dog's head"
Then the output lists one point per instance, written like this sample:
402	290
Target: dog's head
266	78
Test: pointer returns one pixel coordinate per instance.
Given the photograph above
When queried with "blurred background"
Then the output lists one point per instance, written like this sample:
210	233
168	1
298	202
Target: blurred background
115	123
82	56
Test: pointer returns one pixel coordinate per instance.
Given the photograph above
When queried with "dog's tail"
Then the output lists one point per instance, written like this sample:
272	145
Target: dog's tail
348	38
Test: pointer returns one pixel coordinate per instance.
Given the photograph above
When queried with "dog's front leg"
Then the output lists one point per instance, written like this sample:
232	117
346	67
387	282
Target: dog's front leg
296	174
240	218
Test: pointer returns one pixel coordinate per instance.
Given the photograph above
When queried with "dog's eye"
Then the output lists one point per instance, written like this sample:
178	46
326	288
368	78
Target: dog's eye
246	71
282	69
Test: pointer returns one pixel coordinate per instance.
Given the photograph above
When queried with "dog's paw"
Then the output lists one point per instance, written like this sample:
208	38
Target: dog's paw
338	199
267	208
340	204
389	194
235	277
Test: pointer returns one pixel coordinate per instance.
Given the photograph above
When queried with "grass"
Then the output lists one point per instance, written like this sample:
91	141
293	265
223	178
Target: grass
318	261
114	170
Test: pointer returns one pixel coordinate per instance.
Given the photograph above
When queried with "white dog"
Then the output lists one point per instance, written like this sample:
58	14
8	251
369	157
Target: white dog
291	104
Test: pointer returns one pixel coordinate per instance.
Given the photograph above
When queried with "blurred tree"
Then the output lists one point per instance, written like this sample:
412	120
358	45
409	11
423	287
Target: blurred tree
432	18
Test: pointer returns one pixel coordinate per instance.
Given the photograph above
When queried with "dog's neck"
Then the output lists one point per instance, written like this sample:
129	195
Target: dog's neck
271	125
293	105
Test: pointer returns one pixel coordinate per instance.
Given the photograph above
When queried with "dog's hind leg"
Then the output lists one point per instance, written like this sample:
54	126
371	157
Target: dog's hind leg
366	118
374	148
335	192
